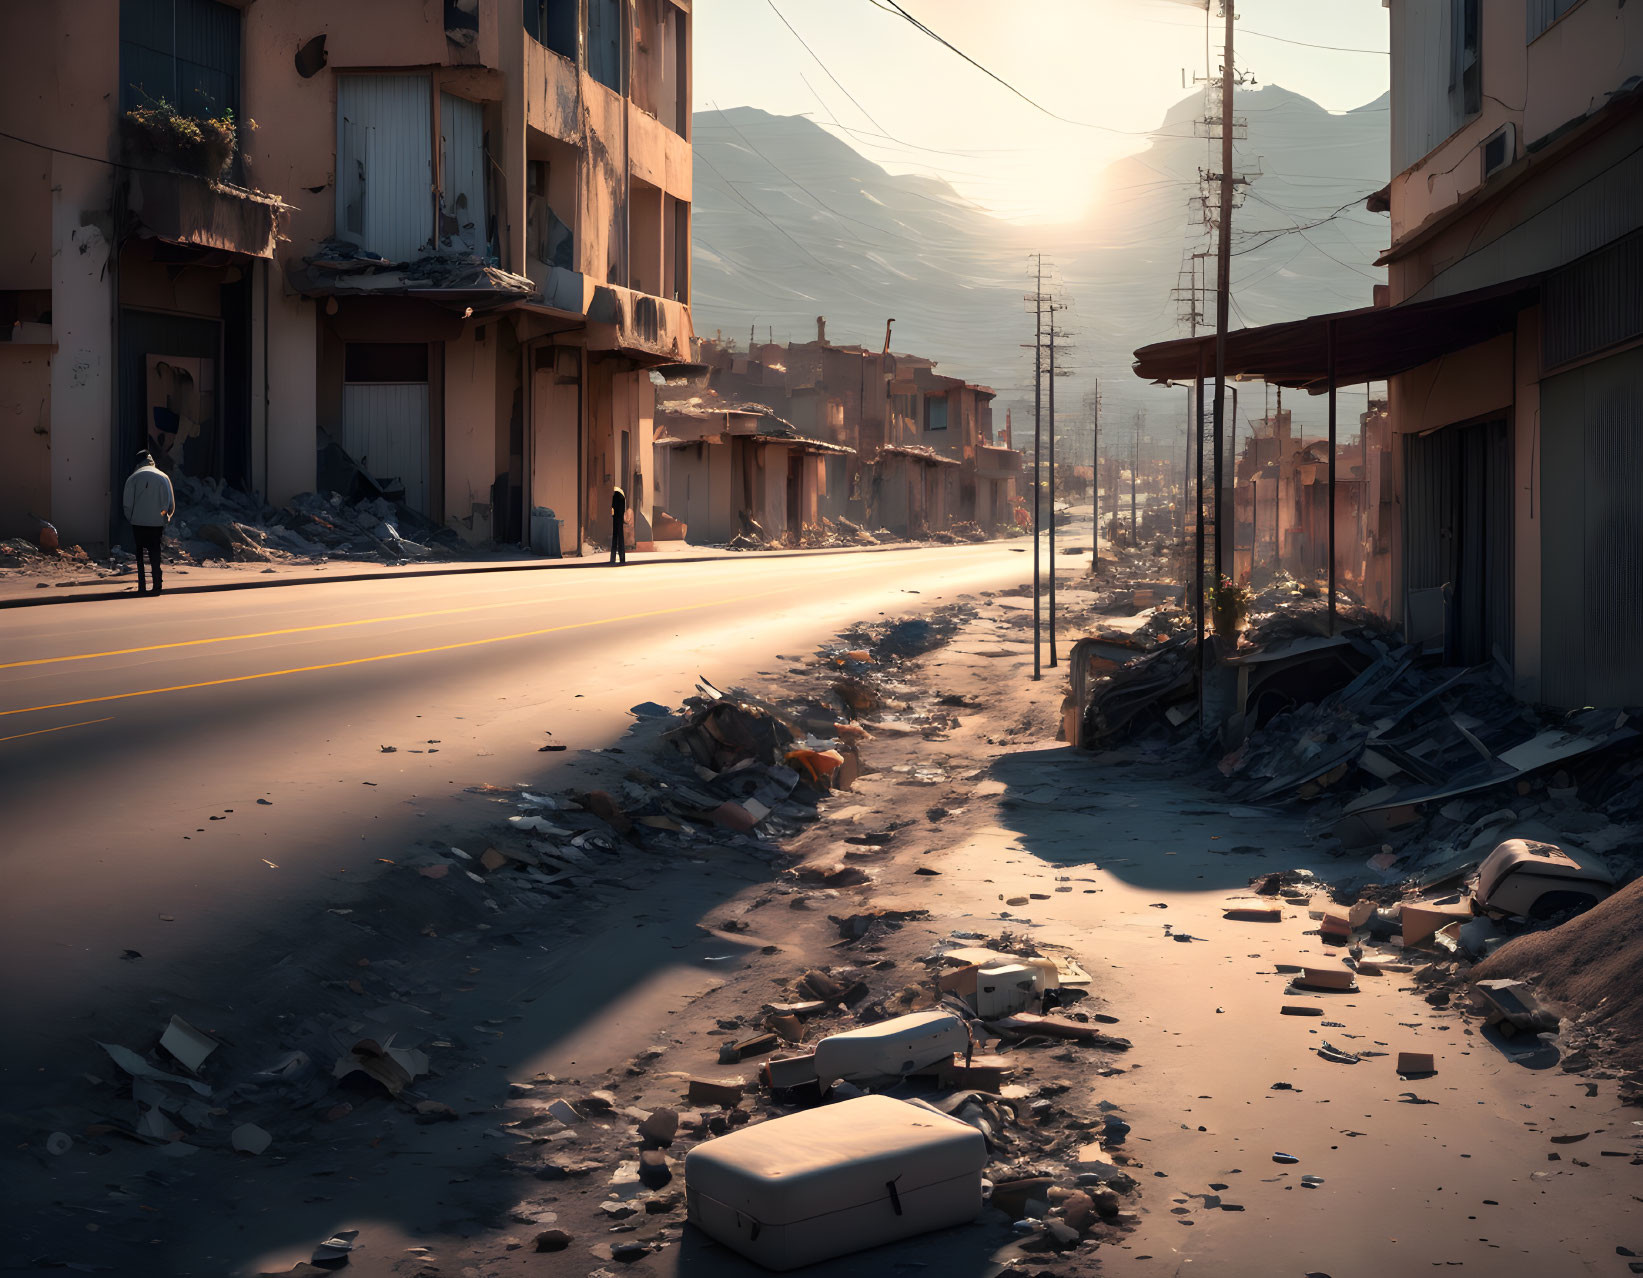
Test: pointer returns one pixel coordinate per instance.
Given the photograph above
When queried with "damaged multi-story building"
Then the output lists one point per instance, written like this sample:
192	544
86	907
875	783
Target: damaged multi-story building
441	265
904	448
1504	509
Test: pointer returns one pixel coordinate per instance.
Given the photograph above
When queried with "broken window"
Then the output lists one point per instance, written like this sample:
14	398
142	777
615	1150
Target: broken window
676	68
549	239
186	52
385	163
646	250
660	62
1466	56
935	412
462	163
552	24
605	43
676	249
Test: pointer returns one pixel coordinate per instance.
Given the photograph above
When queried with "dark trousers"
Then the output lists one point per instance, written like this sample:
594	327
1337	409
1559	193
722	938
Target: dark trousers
147	537
618	541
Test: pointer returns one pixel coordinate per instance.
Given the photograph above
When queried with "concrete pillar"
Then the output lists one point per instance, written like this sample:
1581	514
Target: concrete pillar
293	391
84	372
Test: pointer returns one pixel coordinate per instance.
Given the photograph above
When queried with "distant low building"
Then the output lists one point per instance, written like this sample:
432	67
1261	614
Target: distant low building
916	450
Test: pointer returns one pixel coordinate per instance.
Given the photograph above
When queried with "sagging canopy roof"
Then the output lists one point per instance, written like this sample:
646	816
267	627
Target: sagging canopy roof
1371	344
918	452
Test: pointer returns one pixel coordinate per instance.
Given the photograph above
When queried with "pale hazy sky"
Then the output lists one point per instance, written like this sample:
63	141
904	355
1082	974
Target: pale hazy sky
1113	63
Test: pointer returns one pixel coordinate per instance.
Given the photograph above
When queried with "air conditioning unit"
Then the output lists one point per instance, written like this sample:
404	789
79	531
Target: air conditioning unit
1499	150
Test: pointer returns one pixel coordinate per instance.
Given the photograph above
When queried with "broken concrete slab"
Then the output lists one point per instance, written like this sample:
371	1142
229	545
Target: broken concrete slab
705	1091
1419	920
1326	978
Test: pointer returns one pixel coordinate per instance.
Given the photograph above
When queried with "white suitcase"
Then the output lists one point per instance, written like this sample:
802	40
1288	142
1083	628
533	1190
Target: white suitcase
890	1049
823	1182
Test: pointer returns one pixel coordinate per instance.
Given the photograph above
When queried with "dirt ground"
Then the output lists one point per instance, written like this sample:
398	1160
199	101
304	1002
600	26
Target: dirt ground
1501	1162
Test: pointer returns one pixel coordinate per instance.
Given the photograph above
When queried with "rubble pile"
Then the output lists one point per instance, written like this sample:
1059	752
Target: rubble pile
339	267
1144	684
1591	962
20	553
215	521
964	531
836	533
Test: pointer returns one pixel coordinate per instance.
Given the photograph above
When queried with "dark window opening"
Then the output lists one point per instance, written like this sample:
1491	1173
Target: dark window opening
385	362
552	24
549	239
605	43
1466	55
186	52
935	412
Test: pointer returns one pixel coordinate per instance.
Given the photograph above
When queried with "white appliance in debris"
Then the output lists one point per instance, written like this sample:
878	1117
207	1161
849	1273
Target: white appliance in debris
840	1178
892	1048
1006	989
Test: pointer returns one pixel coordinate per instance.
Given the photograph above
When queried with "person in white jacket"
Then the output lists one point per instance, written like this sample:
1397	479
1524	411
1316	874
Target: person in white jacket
149	505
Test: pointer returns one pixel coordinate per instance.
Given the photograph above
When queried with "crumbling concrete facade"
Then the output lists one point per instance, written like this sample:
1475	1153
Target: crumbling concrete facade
1506	517
916	452
483	249
1515	460
133	283
727	469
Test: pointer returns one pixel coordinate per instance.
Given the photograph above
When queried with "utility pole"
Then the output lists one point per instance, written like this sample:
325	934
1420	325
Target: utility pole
1093	400
1223	275
1134	467
1036	297
1052	308
1053	660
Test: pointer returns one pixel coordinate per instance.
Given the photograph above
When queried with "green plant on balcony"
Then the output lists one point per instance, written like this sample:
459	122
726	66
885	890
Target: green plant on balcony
204	146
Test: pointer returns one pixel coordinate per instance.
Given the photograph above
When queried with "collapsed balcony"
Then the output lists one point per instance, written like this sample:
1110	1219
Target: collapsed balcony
339	269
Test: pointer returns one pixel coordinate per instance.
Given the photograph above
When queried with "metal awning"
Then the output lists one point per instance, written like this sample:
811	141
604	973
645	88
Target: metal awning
1370	344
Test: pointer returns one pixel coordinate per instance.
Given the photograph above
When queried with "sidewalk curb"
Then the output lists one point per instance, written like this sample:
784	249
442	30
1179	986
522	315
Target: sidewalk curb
547	565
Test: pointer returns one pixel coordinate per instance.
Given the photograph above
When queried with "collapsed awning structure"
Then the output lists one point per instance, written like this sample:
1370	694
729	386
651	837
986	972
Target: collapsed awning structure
917	453
1322	353
1348	347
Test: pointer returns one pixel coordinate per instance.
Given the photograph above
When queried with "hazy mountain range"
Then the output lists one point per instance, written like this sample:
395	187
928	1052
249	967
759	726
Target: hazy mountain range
791	223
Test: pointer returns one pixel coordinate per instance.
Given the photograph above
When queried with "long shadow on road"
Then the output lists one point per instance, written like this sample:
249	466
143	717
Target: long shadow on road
1125	812
488	993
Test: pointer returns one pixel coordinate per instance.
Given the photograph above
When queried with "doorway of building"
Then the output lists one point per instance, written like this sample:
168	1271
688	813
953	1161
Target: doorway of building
1458	541
385	416
795	495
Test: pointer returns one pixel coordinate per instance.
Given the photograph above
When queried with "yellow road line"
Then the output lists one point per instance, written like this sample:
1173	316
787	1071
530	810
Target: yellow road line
275	634
63	728
263	634
386	656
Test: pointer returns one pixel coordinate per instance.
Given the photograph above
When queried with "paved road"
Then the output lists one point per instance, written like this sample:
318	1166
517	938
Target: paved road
178	774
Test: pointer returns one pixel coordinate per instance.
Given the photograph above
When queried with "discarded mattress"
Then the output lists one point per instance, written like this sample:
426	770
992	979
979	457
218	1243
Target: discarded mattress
1522	876
890	1049
840	1178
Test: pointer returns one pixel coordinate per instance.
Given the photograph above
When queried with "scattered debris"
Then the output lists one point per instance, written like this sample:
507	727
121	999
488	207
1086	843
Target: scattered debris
393	1067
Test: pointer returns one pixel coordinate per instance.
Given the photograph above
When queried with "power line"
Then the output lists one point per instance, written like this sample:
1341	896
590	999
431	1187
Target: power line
1305	44
822	65
891	7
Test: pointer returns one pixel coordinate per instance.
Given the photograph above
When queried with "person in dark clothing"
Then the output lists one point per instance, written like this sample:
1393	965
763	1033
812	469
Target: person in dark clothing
149	505
618	526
